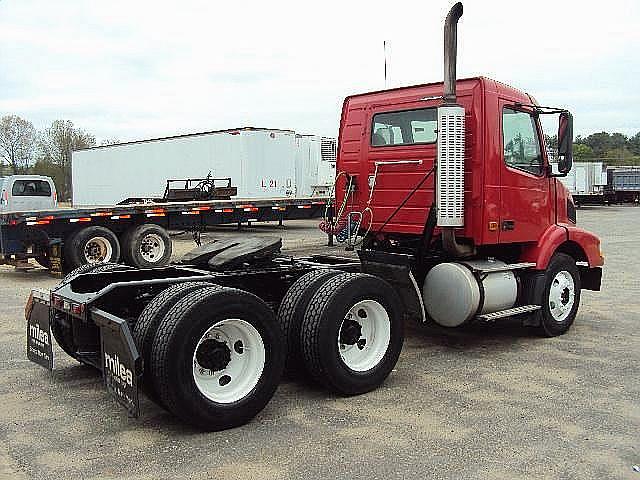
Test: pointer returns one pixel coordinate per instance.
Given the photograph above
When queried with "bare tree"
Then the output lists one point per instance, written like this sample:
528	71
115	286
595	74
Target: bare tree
109	141
17	142
56	144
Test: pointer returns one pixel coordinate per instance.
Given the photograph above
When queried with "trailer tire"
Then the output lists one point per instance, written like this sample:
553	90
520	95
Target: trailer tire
61	327
146	246
233	385
561	296
291	314
355	357
145	328
94	244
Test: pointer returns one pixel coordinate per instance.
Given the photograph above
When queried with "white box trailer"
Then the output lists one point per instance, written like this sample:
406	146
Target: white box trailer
586	181
262	163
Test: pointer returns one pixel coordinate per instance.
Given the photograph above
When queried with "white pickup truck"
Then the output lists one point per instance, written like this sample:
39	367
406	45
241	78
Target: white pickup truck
20	193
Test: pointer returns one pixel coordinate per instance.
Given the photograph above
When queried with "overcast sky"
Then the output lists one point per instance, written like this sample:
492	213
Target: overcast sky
137	69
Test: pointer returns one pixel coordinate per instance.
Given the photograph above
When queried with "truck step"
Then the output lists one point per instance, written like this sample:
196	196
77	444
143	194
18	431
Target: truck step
505	268
510	312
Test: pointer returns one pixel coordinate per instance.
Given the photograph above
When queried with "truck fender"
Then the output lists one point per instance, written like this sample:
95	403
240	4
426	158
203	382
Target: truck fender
580	244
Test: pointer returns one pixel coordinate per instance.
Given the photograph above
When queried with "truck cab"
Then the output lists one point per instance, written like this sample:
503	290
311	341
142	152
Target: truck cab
20	193
455	177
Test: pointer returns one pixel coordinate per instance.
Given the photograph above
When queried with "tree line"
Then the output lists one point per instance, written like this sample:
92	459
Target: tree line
25	150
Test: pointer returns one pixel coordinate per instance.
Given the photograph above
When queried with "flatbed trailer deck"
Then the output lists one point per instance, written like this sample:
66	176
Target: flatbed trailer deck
62	239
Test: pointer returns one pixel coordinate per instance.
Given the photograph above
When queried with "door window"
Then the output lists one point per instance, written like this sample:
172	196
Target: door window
31	188
521	142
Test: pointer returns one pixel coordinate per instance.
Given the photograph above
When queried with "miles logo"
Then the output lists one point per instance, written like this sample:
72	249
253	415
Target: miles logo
36	332
112	362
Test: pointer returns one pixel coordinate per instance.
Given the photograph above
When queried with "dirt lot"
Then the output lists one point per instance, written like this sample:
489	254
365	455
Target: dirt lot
481	402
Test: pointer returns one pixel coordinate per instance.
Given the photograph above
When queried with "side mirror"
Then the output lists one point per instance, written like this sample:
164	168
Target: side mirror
565	142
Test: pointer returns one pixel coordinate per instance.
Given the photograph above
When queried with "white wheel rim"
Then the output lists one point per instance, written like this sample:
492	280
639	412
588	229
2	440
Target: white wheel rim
98	250
373	337
562	294
234	379
152	248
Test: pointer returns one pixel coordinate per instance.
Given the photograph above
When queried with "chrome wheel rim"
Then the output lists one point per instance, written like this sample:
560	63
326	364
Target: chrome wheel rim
228	361
98	250
562	295
152	248
364	335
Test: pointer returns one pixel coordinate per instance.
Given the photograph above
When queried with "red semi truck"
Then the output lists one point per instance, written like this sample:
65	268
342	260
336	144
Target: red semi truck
448	193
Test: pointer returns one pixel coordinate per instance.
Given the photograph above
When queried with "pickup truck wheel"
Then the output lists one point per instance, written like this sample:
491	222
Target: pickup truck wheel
352	333
291	313
146	246
561	296
93	244
61	327
147	324
217	357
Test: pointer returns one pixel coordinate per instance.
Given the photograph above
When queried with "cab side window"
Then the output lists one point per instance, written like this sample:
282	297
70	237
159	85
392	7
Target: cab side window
520	141
408	127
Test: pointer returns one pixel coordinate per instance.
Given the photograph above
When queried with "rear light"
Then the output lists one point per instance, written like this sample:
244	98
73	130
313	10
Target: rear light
77	308
67	306
57	302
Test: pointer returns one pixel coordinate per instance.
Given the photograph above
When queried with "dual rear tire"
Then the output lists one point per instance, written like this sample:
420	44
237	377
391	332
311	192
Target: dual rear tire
345	330
213	356
141	246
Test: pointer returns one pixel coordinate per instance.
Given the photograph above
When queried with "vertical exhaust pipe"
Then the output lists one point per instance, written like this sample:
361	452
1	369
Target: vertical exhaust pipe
451	147
451	53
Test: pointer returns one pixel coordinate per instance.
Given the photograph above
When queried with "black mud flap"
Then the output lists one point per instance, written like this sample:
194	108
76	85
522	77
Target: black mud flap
121	362
395	268
39	341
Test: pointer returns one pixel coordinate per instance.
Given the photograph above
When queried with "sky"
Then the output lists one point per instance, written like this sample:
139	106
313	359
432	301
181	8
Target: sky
132	70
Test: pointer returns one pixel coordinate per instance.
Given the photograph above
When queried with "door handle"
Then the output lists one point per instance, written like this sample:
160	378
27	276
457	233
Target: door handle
508	225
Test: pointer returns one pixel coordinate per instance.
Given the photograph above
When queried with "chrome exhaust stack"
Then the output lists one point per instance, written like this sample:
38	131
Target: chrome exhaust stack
451	146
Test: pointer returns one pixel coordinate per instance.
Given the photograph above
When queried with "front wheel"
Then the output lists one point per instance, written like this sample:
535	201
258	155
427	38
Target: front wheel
561	295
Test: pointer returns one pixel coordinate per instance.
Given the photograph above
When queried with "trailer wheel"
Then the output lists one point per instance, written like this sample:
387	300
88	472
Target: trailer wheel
217	358
561	296
352	333
93	244
146	246
291	313
145	328
61	327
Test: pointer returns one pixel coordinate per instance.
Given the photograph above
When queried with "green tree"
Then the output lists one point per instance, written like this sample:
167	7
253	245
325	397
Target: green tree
582	152
55	147
17	142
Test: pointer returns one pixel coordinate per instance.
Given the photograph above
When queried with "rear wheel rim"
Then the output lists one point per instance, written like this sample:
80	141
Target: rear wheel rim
562	295
152	248
228	361
364	336
98	250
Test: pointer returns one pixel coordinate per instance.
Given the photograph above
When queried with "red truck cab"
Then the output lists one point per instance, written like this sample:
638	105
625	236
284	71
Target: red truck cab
509	196
455	175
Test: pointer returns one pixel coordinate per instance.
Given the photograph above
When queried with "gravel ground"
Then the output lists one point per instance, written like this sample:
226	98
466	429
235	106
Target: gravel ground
481	402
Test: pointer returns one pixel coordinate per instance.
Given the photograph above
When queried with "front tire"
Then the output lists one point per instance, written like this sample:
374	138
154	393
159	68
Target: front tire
352	333
217	358
561	297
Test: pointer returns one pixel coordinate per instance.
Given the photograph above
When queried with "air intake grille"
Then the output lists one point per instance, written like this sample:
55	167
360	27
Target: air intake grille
450	169
328	149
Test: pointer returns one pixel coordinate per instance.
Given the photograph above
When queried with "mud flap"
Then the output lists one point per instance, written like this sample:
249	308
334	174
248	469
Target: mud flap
121	362
39	342
395	268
